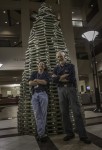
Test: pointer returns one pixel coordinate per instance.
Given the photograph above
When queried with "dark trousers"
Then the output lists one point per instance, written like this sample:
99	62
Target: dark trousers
68	96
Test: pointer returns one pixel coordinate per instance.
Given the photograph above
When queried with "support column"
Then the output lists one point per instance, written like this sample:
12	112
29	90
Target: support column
91	84
0	90
91	80
25	19
67	28
100	5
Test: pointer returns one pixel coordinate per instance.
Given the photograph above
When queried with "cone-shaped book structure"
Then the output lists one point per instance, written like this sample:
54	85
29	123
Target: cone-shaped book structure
45	40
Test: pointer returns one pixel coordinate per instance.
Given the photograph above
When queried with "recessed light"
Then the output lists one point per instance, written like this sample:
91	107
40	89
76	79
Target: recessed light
17	22
6	22
4	12
72	12
9	118
15	77
15	42
1	65
91	5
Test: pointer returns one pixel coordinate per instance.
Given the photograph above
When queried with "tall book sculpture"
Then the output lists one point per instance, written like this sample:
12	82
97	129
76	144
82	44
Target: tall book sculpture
45	40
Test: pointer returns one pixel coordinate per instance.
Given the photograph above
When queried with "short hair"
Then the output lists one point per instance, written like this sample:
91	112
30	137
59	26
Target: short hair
61	52
46	68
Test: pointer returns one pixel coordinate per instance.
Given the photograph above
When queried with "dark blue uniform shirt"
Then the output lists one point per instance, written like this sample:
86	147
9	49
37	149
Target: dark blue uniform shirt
43	76
67	68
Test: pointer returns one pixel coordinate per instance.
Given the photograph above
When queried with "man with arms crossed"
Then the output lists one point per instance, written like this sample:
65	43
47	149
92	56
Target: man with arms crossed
39	81
64	77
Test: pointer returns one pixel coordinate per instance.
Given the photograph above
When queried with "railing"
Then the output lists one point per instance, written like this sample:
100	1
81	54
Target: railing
8	101
88	98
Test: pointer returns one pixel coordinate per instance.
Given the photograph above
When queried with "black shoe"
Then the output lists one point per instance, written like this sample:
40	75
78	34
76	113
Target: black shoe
43	139
37	138
85	140
68	137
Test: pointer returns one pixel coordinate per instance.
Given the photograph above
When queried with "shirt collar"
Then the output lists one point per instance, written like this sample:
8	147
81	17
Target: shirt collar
63	64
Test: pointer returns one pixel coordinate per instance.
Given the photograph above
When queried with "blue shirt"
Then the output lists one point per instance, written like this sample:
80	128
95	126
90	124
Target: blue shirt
43	76
67	68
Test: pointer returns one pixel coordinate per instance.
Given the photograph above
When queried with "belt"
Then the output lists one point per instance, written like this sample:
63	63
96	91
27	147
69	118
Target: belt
66	85
38	91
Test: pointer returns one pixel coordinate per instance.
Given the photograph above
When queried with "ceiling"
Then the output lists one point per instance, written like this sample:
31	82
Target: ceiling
11	54
10	77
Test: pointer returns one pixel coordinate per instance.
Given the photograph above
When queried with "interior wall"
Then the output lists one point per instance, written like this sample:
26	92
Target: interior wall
100	81
14	91
83	67
99	66
82	86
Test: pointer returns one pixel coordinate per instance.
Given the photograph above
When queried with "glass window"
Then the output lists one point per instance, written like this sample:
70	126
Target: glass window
10	28
77	23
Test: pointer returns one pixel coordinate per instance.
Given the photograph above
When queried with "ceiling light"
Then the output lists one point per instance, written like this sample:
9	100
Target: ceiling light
10	85
90	35
72	12
1	65
17	22
15	77
9	118
4	12
6	22
15	85
15	42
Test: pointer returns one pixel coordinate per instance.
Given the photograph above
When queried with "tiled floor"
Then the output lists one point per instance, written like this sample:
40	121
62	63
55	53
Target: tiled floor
8	112
74	144
90	114
95	129
8	123
29	143
9	131
9	139
19	143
